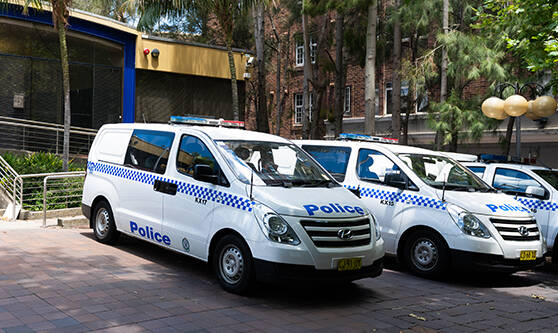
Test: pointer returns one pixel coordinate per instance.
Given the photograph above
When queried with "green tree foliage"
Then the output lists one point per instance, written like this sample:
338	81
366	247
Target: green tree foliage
529	28
116	9
469	58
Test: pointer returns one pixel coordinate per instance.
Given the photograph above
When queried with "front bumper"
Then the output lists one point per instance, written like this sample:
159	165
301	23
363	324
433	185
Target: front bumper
273	272
464	260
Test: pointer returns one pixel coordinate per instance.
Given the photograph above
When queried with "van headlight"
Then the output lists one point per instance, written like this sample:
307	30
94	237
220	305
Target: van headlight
376	227
467	222
274	227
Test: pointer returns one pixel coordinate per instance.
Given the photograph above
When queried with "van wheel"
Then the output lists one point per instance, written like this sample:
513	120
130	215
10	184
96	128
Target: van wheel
426	254
104	227
233	264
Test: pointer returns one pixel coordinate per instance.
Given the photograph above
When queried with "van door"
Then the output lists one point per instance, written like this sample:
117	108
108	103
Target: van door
515	182
187	215
144	166
373	171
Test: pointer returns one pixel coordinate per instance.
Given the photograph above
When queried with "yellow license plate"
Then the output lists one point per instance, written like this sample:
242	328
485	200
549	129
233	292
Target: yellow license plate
350	264
528	255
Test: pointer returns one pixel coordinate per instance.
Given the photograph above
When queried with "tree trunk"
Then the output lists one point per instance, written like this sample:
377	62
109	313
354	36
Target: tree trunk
234	87
509	132
66	87
340	78
307	77
396	76
444	69
370	71
262	120
279	90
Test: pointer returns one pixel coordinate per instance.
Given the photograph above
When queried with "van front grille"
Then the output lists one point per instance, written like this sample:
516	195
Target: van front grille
338	233
517	230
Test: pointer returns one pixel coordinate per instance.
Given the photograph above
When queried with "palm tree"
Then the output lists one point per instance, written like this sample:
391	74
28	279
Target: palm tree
226	14
60	13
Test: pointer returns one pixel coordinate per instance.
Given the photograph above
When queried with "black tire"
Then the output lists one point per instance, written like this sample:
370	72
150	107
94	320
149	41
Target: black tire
233	264
103	224
426	254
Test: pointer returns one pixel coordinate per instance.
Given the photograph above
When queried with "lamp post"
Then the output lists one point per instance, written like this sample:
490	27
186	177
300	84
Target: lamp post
516	105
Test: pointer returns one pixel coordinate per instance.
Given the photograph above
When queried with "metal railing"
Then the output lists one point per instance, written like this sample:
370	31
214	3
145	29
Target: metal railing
7	177
61	191
29	191
30	135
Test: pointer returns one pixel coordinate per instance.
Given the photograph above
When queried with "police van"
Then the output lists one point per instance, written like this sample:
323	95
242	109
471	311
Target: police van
536	187
253	205
433	212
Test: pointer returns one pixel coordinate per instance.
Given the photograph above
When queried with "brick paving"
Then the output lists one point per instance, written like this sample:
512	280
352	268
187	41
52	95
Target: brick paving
58	280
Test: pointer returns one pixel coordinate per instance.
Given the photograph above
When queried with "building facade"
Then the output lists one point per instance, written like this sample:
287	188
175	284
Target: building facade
539	138
113	77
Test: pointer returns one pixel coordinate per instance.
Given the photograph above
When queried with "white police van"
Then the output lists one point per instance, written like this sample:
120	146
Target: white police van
536	187
433	213
253	205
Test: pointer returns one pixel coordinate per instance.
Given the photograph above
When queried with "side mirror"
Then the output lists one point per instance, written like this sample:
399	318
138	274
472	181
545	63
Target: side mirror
536	192
396	179
205	173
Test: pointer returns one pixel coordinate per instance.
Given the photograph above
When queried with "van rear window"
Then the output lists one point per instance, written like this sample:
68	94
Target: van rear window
149	150
333	159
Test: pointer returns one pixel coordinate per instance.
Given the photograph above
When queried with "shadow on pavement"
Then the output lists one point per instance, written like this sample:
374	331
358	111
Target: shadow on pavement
300	294
479	279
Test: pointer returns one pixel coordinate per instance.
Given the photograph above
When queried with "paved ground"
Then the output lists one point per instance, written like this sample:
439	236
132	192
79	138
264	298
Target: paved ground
63	280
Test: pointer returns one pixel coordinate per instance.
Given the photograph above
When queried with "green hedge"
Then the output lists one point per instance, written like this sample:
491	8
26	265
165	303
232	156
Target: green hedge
39	163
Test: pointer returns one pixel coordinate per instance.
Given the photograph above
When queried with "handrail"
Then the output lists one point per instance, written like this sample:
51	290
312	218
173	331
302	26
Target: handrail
7	171
47	124
47	128
58	176
32	175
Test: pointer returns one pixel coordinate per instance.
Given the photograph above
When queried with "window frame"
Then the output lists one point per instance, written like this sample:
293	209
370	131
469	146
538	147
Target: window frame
410	184
350	150
223	181
300	108
171	135
299	51
521	194
347	98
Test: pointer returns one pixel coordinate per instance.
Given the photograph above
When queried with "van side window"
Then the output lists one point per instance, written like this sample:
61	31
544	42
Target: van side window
333	159
373	165
191	152
513	181
477	170
149	150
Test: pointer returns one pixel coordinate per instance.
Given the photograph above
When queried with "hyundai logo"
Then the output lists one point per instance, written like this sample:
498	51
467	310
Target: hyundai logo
523	231
344	233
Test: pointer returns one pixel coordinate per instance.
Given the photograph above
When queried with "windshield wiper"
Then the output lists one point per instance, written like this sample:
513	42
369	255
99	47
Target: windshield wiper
278	182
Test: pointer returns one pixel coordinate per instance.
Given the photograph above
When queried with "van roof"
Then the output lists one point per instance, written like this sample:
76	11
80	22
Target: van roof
509	165
396	149
216	133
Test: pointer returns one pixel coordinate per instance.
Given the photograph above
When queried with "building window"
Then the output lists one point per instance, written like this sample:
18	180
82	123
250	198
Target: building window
347	101
299	51
299	107
299	54
388	101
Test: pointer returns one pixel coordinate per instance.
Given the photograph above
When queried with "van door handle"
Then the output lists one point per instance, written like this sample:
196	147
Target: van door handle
165	187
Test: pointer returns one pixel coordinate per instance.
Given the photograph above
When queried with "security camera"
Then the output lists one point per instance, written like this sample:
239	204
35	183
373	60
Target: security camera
250	60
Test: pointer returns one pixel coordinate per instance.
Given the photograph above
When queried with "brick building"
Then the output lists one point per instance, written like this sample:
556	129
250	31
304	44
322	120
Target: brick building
539	138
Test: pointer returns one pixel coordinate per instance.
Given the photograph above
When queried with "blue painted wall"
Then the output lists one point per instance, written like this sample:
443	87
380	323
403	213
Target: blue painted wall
128	41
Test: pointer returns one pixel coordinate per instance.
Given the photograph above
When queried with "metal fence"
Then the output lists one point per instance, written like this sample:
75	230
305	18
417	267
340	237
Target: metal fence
30	135
7	179
31	193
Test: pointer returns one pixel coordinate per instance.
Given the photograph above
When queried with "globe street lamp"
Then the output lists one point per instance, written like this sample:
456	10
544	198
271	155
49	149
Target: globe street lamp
516	105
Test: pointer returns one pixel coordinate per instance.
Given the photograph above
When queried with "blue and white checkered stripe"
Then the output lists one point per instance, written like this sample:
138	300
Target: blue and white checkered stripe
538	204
410	199
197	191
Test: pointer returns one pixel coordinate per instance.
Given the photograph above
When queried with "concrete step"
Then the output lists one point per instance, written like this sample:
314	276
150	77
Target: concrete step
74	222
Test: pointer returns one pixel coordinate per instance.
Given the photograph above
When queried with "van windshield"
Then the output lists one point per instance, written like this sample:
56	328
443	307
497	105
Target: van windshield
550	176
273	164
440	172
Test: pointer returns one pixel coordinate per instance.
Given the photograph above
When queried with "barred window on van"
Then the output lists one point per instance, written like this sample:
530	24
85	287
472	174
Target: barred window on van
149	150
